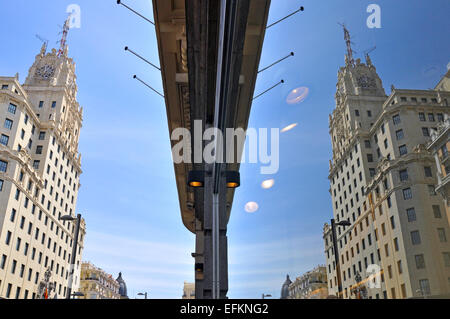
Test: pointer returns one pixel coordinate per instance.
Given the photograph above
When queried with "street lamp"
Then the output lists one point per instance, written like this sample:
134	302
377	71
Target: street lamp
143	294
343	223
264	296
74	248
196	179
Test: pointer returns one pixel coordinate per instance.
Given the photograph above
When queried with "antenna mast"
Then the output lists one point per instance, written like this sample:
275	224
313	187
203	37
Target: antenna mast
348	42
63	40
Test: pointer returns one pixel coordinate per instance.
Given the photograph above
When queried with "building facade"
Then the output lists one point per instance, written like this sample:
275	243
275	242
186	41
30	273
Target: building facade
311	285
439	147
95	283
382	181
40	170
188	290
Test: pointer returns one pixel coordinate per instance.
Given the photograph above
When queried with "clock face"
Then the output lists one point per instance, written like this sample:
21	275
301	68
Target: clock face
366	82
45	72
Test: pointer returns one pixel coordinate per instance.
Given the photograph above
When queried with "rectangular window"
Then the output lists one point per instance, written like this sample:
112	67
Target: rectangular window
396	119
440	117
431	190
407	193
370	158
53	104
1	184
442	236
437	211
8	124
403	150
411	213
446	256
415	237
422	117
41	104
8	238
403	175
3	166
39	149
428	172
420	261
431	117
399	134
41	136
36	164
12	108
4	139
424	287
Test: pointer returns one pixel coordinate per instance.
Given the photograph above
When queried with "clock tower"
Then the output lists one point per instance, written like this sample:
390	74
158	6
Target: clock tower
52	90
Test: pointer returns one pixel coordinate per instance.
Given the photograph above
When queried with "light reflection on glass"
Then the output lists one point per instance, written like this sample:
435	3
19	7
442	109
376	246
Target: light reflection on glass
251	207
267	184
289	127
297	95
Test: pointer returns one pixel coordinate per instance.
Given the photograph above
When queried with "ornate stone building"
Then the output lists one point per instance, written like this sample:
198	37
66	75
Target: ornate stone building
97	284
383	182
311	285
188	291
40	170
439	147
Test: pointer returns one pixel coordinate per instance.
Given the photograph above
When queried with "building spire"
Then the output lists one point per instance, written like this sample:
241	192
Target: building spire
350	60
62	42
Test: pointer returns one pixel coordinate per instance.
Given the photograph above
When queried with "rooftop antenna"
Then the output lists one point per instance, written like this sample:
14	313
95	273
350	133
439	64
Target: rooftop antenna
366	53
349	43
45	41
62	42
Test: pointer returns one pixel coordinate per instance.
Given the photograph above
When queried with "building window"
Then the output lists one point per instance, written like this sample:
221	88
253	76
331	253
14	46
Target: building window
424	287
3	262
442	235
425	131
12	108
8	238
370	158
446	256
399	134
415	237
8	124
411	213
25	120
356	112
428	172
39	149
440	117
41	104
53	104
431	117
3	166
41	136
372	172
422	117
367	143
403	150
4	139
437	211
36	164
407	193
431	190
396	119
403	175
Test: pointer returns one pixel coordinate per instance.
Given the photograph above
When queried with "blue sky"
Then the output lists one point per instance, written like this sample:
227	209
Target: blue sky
128	195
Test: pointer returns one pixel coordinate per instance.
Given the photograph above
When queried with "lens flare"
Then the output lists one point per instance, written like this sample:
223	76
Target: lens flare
251	207
289	127
297	95
267	184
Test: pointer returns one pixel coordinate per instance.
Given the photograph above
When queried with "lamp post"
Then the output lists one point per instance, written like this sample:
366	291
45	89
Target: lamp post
74	248
264	296
336	252
143	294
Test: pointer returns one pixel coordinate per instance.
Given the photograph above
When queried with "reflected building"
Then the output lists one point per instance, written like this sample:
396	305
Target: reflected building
188	290
95	283
311	285
285	288
383	181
